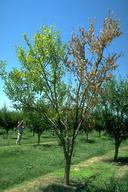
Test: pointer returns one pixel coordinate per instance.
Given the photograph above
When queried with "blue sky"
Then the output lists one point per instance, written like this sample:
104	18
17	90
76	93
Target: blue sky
27	16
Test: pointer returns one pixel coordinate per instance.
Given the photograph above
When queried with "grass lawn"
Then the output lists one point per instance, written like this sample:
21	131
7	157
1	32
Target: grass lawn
28	161
28	138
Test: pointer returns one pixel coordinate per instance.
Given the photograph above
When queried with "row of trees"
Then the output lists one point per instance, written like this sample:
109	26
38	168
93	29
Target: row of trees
9	119
112	112
32	121
110	115
62	83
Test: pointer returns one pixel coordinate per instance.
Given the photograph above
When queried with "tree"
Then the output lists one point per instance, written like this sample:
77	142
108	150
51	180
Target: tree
87	125
99	124
66	80
8	119
36	122
115	101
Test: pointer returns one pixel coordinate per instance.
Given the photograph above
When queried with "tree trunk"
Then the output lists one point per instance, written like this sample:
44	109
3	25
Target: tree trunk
39	135
68	145
67	169
99	133
33	133
116	150
7	132
87	135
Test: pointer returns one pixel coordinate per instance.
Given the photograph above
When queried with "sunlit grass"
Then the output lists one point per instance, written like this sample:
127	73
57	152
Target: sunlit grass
23	163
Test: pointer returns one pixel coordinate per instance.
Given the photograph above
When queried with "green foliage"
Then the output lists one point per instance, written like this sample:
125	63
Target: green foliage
113	185
99	122
115	111
115	100
41	68
2	68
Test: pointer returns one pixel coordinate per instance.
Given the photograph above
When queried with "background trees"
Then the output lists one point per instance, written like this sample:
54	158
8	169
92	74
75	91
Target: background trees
35	121
88	125
99	122
67	81
115	103
9	119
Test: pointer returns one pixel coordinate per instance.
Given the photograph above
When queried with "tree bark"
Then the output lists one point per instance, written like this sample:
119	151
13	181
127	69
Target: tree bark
7	132
39	135
33	133
99	133
67	169
87	136
68	145
116	150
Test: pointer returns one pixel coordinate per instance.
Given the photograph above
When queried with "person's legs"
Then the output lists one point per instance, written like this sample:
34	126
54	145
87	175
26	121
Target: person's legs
18	138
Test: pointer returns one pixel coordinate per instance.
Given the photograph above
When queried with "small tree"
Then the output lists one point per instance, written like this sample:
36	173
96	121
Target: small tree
115	101
6	119
99	124
87	125
9	119
67	83
36	122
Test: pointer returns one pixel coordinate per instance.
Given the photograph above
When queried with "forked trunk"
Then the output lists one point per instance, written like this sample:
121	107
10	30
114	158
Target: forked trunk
68	145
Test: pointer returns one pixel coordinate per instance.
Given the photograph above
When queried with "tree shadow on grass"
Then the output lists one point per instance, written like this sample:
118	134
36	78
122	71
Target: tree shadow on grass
48	137
88	185
23	138
42	145
91	141
121	161
58	188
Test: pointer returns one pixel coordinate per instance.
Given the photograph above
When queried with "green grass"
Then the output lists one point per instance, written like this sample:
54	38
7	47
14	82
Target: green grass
27	162
28	138
99	176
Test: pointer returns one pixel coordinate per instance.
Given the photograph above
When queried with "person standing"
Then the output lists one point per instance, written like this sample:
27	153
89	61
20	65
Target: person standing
20	129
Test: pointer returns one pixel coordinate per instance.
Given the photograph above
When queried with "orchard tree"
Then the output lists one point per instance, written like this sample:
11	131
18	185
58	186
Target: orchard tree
65	78
6	119
1	121
99	124
9	119
36	124
35	121
87	125
115	102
